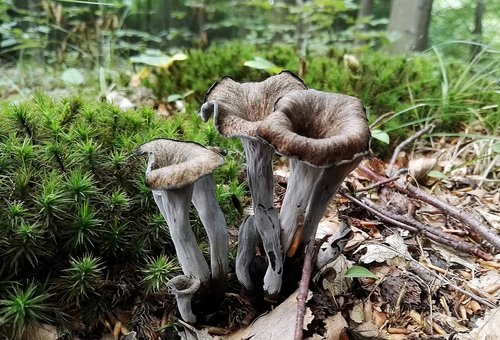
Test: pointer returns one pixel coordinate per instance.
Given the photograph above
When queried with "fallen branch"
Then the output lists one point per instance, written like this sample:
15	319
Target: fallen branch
461	215
403	144
407	223
386	181
304	289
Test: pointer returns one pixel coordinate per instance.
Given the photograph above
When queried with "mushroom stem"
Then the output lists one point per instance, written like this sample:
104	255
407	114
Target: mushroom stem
205	202
248	238
261	183
300	185
184	288
326	186
174	205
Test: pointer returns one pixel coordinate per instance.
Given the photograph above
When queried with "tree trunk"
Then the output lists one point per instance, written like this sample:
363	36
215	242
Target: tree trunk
478	28
410	20
365	9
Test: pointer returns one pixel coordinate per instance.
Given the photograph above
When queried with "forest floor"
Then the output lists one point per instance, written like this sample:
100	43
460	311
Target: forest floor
435	276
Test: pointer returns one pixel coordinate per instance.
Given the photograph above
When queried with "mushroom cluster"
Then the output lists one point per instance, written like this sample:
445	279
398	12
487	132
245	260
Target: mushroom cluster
324	135
179	173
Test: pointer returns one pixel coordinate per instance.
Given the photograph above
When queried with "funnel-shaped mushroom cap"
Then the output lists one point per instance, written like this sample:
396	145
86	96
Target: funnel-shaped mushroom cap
319	128
238	107
175	164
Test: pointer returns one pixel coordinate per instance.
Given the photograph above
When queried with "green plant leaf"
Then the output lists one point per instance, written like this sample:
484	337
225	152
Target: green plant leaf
263	64
358	271
381	136
163	61
436	174
173	97
73	76
496	148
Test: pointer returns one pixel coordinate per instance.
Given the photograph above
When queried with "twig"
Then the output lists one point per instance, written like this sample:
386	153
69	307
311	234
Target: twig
460	215
415	226
304	289
381	118
389	180
403	144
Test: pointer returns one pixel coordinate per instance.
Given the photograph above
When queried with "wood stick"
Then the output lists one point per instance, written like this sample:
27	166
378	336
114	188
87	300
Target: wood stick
414	226
304	289
461	215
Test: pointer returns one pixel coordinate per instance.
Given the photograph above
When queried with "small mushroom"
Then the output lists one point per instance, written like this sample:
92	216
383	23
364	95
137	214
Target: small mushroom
238	109
178	173
325	135
184	288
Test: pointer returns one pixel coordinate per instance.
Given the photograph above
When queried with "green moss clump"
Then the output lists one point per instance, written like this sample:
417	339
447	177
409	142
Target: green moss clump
77	221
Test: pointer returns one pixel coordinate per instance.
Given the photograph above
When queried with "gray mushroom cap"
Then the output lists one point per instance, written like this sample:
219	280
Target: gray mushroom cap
174	164
239	107
319	128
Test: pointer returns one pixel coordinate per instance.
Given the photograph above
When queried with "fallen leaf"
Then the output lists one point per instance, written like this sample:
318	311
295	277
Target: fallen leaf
334	279
334	325
367	329
449	321
420	167
484	282
357	313
41	332
487	327
275	325
448	255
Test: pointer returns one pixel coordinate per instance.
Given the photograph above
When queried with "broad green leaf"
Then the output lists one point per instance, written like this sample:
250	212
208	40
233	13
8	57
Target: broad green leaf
163	61
173	97
358	271
73	76
381	136
496	148
436	174
263	64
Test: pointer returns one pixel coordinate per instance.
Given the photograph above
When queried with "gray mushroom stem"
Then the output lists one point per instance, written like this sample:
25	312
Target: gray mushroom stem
300	182
325	135
205	202
248	238
261	184
184	288
174	206
324	189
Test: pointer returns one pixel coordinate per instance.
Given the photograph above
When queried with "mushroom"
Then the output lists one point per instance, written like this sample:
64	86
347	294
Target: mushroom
325	135
178	173
184	288
238	109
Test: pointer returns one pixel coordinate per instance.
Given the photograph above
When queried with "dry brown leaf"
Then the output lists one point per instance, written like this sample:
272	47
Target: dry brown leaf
489	279
334	326
419	167
334	279
42	332
357	313
487	327
275	325
449	321
367	329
